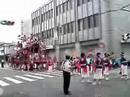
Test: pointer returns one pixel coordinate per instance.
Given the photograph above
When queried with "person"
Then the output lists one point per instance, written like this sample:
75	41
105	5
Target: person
89	63
2	63
106	64
98	67
83	67
124	67
66	75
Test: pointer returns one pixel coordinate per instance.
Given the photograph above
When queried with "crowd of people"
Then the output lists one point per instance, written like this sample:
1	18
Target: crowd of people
94	68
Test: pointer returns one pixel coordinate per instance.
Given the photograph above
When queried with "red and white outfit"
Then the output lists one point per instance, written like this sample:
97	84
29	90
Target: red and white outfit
106	63
83	67
98	68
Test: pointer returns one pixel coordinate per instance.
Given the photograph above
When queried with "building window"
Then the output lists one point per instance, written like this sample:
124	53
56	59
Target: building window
57	11
60	30
68	28
44	17
79	25
79	2
89	25
84	1
52	33
64	29
96	20
67	6
36	20
60	9
44	35
32	22
70	4
63	7
85	23
72	27
51	13
48	15
89	0
90	21
49	33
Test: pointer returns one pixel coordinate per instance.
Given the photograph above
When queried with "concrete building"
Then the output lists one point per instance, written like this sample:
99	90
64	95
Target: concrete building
6	49
75	26
26	27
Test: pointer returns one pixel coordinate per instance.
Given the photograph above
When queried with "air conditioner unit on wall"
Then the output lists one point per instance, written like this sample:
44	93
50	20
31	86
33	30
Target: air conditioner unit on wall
125	38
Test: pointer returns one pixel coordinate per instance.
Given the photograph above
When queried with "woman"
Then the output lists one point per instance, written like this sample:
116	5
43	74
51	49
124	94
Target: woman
83	66
98	65
106	64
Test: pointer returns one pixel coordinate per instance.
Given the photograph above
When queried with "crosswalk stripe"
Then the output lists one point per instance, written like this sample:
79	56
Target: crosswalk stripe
47	73
25	78
2	83
42	75
37	77
57	73
13	80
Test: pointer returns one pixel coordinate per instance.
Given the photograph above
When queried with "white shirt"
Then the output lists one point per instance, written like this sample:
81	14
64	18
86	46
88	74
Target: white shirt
67	66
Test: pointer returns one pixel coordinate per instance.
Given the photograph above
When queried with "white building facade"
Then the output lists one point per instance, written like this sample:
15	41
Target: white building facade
26	27
81	26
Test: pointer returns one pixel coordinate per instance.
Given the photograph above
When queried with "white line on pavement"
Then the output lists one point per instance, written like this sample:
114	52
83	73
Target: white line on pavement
37	77
42	75
25	78
2	83
53	74
13	80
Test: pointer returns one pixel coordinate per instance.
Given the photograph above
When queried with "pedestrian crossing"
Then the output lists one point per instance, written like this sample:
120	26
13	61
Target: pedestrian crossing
28	77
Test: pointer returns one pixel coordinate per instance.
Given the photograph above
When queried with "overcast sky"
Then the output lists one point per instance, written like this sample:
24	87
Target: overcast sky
16	10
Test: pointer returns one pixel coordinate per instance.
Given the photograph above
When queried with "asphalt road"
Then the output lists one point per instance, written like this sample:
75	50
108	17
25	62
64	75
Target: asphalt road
28	84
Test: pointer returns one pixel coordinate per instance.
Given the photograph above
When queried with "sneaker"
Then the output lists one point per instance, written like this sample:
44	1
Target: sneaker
122	77
106	78
126	78
69	93
89	81
94	83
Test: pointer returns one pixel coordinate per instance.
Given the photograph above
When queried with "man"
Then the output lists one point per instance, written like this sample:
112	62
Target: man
2	63
66	75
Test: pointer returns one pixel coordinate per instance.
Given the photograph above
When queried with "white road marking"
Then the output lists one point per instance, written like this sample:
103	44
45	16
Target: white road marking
37	77
13	80
2	83
42	75
25	78
53	74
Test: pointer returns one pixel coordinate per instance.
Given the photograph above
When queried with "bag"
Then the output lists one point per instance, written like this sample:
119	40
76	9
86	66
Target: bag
62	65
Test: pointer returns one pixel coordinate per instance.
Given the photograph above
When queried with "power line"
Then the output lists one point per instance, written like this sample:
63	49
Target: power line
125	10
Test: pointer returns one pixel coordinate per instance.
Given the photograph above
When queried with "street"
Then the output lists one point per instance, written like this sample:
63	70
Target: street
43	84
